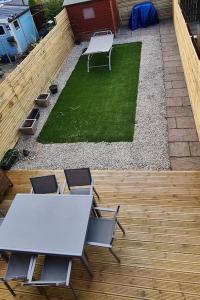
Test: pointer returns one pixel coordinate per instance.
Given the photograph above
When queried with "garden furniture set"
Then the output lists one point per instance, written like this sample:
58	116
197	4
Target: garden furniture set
56	225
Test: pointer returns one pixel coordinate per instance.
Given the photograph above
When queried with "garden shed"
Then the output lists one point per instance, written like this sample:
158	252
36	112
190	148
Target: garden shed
86	17
17	29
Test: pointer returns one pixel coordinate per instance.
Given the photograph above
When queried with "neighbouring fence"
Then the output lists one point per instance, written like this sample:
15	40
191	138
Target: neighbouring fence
191	9
31	77
164	8
190	61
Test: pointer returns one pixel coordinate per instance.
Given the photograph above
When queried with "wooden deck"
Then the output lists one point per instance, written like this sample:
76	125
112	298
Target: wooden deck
160	255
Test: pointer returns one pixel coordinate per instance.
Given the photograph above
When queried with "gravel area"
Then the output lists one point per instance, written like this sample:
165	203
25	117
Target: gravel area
149	149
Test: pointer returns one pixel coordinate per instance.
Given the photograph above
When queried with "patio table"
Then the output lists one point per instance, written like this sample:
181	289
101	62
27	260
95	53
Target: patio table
47	224
100	42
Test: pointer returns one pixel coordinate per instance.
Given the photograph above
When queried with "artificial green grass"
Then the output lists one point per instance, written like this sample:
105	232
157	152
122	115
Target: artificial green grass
99	105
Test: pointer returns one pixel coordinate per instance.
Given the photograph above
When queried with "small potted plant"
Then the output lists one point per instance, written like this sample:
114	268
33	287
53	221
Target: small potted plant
43	100
53	88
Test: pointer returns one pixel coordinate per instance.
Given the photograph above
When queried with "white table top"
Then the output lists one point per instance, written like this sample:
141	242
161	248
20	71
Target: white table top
102	43
46	224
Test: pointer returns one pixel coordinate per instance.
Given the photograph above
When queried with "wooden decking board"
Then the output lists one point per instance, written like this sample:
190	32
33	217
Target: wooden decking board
160	255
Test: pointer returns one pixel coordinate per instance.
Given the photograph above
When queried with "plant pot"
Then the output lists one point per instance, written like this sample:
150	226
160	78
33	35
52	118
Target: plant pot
34	114
77	41
53	88
43	100
28	127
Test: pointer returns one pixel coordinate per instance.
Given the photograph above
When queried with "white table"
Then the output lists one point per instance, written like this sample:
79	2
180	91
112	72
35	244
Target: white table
100	42
47	224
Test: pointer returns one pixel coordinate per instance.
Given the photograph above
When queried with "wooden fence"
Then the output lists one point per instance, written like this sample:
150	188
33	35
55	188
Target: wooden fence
31	77
164	8
190	60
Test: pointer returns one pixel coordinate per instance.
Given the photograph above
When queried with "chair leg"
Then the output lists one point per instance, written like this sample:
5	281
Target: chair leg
87	266
120	226
96	193
9	288
85	254
114	254
96	212
73	291
43	292
5	256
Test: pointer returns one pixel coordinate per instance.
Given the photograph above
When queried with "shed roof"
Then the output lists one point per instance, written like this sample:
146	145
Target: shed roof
71	2
11	12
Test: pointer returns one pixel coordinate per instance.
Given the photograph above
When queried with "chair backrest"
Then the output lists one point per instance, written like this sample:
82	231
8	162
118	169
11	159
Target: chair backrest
78	177
44	184
56	270
18	266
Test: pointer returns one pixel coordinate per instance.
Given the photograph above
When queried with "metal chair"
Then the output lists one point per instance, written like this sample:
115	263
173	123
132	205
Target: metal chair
19	267
101	230
44	185
4	256
55	272
79	182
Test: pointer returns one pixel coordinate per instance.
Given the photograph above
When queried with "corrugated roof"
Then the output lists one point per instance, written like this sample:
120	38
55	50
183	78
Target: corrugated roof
12	11
70	2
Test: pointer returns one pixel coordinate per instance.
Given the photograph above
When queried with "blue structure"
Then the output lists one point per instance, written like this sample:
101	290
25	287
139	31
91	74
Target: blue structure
143	15
17	30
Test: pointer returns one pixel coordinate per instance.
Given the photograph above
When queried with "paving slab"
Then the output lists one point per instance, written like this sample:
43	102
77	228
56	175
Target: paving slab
168	85
185	122
186	101
195	148
182	135
176	76
179	149
171	122
181	92
173	63
178	84
176	101
179	111
185	163
168	57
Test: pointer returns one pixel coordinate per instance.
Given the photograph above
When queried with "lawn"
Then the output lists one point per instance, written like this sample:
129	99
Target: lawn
100	105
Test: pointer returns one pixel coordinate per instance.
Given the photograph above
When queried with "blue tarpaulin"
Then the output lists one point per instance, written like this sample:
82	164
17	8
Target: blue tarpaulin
143	15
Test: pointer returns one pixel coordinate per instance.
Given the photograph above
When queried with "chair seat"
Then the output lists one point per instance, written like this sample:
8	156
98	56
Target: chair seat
55	270
18	266
83	191
100	231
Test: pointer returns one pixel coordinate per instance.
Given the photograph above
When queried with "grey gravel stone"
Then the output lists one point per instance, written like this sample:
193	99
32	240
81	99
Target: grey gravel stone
149	149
